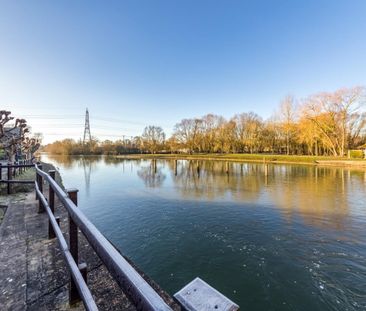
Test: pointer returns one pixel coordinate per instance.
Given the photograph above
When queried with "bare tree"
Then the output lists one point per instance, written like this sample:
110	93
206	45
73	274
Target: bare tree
189	133
248	129
336	116
11	137
153	138
287	117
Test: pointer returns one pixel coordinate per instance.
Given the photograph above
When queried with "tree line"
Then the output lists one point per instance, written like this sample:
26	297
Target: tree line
327	123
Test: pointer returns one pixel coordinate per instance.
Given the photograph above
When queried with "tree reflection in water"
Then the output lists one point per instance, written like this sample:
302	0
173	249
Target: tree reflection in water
152	175
320	195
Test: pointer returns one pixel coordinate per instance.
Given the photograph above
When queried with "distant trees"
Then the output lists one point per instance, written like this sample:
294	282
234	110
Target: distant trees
327	123
323	124
107	147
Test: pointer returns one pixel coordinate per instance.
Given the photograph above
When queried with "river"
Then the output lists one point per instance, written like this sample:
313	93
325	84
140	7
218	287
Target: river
270	237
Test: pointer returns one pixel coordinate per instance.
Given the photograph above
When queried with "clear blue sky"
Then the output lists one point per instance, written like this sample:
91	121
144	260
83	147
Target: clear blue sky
156	62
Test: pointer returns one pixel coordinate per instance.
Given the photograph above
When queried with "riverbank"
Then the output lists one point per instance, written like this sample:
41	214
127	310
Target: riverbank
257	158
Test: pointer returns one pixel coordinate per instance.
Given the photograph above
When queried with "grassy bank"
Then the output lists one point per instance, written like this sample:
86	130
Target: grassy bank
29	174
240	157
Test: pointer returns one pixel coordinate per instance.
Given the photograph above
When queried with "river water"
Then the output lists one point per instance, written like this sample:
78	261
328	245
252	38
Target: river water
270	237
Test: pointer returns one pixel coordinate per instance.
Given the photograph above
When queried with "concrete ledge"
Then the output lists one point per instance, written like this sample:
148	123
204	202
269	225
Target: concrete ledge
199	296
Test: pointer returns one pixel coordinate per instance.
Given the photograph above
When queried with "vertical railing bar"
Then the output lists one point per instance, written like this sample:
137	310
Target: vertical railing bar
9	178
74	245
51	202
40	185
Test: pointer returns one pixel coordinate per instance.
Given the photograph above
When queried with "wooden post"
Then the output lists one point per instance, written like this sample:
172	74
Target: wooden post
154	166
51	232
73	232
58	220
9	178
40	186
198	169
51	202
175	167
83	268
227	167
1	171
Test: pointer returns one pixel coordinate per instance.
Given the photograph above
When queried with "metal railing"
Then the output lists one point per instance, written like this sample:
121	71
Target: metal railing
132	283
13	170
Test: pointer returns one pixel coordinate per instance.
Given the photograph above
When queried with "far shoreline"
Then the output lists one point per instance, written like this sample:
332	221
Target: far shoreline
257	158
323	161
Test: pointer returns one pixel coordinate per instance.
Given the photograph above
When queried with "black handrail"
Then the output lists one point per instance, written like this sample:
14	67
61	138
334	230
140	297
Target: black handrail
133	284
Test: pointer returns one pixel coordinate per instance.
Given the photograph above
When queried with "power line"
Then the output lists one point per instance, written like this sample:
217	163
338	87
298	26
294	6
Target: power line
79	125
105	119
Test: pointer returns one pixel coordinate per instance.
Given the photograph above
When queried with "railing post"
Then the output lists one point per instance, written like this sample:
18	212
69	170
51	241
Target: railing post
73	234
83	268
40	186
15	169
9	178
51	202
1	171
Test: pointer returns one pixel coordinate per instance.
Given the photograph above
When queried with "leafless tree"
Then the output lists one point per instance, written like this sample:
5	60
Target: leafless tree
153	138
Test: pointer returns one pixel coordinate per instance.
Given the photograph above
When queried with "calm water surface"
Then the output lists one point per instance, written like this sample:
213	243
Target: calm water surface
275	237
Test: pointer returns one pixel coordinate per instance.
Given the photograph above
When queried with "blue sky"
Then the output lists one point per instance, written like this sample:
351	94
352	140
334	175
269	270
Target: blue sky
134	63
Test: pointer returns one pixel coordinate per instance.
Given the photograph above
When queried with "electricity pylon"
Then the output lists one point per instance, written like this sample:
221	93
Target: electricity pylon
87	135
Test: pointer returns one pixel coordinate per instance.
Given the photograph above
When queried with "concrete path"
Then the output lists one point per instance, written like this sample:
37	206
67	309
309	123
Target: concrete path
33	274
13	267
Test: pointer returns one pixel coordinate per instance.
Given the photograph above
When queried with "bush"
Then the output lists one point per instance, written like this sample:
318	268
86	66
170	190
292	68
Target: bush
356	154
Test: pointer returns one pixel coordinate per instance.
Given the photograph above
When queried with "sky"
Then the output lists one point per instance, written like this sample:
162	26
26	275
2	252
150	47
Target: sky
154	62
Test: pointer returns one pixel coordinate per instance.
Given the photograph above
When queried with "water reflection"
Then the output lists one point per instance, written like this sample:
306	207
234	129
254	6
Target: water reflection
87	164
320	195
152	176
322	192
284	237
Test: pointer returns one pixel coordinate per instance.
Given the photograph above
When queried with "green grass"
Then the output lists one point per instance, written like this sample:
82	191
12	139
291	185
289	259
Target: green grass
279	158
29	174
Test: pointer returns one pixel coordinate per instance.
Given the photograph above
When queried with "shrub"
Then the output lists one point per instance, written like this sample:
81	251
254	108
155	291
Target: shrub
356	154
